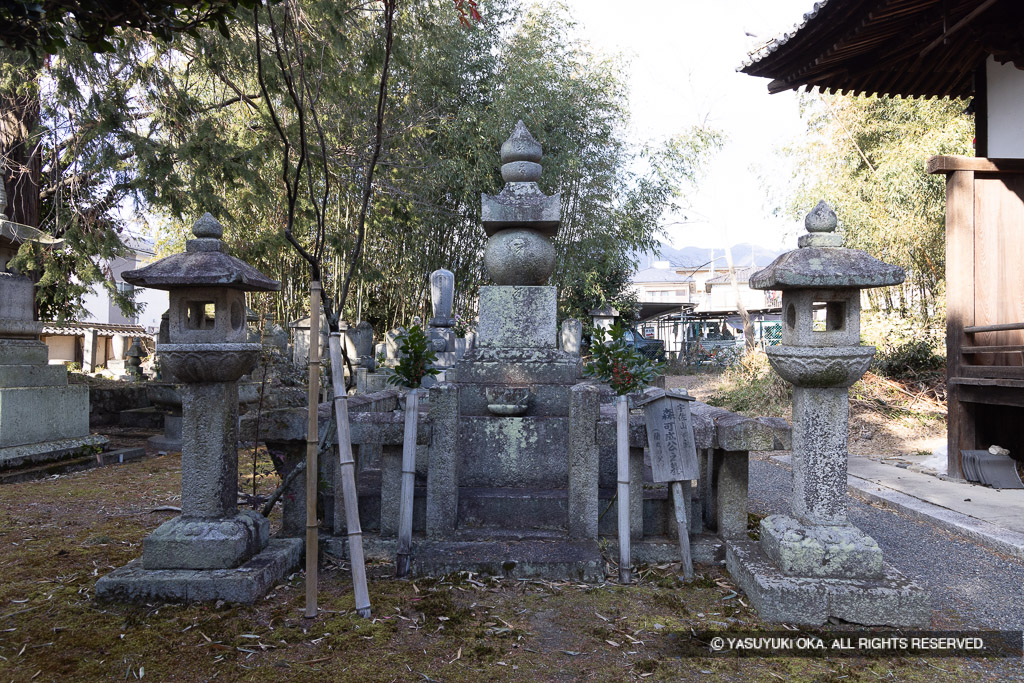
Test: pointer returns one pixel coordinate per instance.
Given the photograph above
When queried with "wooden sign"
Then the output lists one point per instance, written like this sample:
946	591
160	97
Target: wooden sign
670	435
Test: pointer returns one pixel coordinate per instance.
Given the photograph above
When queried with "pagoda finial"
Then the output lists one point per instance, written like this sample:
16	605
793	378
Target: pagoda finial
520	157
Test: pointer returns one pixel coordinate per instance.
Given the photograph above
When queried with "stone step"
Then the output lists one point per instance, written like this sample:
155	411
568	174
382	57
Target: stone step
67	466
513	508
525	559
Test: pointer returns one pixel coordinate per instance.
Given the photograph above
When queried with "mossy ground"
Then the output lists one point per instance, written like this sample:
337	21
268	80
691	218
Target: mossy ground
57	536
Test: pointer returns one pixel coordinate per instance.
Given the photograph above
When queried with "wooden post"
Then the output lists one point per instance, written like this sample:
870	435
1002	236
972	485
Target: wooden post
412	401
312	439
622	453
349	493
681	500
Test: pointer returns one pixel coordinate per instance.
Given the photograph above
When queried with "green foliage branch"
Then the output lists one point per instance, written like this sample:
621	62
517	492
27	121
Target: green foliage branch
416	354
619	364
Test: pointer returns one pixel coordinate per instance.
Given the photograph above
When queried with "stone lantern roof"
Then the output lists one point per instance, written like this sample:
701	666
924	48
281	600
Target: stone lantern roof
822	262
205	263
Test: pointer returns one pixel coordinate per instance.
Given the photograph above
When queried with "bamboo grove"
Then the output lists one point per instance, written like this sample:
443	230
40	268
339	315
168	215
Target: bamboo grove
161	131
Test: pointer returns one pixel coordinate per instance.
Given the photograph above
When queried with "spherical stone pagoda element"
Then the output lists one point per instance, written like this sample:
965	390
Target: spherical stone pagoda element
519	257
521	220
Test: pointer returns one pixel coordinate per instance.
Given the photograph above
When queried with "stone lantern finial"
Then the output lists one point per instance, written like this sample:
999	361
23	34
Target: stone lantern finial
208	226
821	226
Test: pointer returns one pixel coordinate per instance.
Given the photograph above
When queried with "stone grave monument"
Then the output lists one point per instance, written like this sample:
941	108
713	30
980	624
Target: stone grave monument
42	417
813	564
213	550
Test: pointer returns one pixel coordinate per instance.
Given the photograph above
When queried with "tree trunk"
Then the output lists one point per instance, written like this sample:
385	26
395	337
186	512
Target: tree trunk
20	161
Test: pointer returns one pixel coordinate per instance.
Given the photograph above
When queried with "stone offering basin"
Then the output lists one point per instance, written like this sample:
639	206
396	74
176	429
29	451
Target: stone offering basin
507	401
805	366
209	362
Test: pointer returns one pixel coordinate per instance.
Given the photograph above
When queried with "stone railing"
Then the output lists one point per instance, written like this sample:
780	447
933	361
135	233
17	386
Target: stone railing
724	441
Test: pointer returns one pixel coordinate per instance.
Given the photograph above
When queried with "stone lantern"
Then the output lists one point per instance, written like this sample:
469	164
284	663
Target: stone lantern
207	353
813	564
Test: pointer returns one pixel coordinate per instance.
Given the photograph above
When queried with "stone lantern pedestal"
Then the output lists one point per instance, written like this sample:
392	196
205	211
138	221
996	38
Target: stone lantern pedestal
213	550
813	564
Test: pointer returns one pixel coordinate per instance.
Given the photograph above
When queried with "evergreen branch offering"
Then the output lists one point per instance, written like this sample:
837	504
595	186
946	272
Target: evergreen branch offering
416	355
617	363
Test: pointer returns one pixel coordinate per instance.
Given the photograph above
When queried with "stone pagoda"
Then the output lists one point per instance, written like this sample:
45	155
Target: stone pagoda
813	564
42	417
213	550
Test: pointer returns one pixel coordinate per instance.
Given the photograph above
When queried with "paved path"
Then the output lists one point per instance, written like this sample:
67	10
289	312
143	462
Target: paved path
971	585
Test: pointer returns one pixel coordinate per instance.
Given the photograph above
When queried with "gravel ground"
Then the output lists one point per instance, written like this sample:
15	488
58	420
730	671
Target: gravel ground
971	586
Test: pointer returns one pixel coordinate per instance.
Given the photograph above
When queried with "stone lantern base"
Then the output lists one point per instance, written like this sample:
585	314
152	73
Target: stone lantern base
888	599
246	583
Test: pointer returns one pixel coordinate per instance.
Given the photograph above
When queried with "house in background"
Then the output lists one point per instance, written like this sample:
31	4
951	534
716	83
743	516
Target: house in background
101	338
945	48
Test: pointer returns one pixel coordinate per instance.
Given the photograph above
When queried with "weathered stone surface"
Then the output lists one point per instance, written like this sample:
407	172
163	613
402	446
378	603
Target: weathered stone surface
192	543
526	509
245	584
518	256
820	418
204	362
584	465
38	414
781	430
513	451
442	296
820	367
570	337
893	600
17	296
517	317
22	352
359	344
443	476
730	473
545	400
209	472
833	551
13	457
578	560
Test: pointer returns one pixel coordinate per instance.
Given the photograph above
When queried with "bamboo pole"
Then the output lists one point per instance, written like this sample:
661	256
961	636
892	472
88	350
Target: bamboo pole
312	470
348	479
681	500
622	451
412	401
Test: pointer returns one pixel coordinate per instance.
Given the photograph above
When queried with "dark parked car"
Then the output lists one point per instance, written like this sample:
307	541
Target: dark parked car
651	348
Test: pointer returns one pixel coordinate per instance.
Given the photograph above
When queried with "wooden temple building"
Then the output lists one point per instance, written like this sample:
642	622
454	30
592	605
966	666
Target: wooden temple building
960	49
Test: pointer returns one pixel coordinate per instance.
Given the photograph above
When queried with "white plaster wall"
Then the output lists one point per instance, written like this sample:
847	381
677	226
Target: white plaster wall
1005	110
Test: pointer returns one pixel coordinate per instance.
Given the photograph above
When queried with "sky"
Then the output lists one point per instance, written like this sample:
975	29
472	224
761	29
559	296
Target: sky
683	59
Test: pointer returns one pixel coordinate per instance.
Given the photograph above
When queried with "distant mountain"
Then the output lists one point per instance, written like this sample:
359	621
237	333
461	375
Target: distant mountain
743	254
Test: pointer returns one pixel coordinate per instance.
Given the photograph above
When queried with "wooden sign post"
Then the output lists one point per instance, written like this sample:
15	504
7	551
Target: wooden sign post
673	455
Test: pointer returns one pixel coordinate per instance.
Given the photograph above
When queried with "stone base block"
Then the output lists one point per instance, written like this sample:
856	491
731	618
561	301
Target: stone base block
825	551
891	600
704	549
513	558
23	352
244	584
191	543
50	451
518	317
143	418
33	376
30	415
